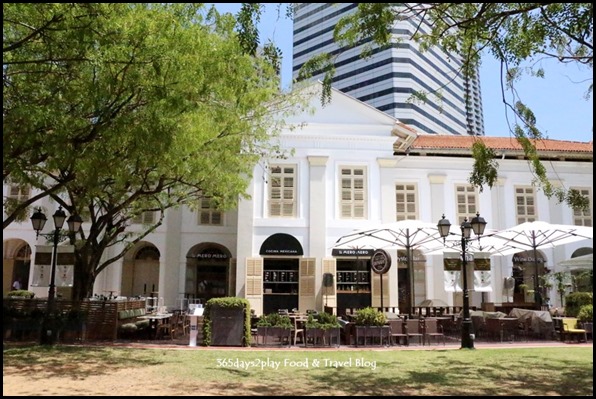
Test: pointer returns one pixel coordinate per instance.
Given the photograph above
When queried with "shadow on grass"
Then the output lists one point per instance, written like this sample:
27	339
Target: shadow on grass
72	361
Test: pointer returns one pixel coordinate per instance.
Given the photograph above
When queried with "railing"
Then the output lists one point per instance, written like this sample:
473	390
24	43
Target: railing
100	323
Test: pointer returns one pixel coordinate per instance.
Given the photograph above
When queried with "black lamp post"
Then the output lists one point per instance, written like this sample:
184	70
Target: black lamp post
48	333
478	224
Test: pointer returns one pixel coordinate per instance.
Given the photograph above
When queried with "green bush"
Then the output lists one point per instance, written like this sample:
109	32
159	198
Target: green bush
324	321
574	302
21	294
370	317
275	320
585	314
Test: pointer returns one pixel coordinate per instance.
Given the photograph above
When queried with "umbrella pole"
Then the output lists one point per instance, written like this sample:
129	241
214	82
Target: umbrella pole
537	294
381	280
410	271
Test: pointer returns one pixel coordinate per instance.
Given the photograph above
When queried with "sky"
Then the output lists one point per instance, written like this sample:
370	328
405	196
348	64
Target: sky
558	100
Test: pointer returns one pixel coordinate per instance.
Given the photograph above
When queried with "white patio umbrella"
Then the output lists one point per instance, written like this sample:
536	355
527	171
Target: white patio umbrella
537	235
405	234
484	243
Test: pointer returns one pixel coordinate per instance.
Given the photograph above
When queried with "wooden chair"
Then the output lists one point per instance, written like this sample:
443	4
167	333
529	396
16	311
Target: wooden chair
510	329
414	328
299	329
493	329
183	323
397	332
433	329
168	327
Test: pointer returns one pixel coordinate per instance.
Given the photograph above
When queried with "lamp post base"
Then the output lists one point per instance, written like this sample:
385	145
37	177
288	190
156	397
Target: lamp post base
467	342
48	332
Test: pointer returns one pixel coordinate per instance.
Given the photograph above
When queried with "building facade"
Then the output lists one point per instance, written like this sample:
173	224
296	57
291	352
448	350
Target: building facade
353	167
388	78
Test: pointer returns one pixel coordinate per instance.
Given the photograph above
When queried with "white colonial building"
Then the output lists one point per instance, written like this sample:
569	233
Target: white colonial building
352	167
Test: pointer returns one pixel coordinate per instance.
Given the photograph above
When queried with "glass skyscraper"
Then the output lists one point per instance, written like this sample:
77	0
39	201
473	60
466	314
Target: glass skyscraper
388	78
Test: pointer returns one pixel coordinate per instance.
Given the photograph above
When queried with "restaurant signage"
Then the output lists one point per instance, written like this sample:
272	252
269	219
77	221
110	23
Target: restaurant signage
351	252
380	261
212	253
281	244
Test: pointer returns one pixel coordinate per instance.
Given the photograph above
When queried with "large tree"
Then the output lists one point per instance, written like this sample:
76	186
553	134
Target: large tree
516	34
114	110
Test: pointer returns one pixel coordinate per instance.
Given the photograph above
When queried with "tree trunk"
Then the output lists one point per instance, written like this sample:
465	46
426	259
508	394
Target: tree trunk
83	281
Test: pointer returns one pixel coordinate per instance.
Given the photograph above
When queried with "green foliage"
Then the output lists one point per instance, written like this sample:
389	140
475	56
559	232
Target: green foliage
20	294
516	34
117	109
586	313
275	320
324	321
485	166
575	301
370	317
226	302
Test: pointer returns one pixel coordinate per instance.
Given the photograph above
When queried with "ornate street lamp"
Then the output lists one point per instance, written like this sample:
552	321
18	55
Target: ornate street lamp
478	224
38	220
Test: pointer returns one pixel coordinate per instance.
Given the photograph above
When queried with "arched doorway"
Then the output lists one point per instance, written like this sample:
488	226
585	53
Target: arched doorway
140	274
282	276
526	273
16	264
583	276
208	273
407	277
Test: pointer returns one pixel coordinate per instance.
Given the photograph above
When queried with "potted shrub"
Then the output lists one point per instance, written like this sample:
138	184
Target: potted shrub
21	294
275	326
585	318
370	322
574	302
322	329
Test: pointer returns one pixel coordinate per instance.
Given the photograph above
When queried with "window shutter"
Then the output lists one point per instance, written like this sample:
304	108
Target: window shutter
254	277
306	290
330	293
232	277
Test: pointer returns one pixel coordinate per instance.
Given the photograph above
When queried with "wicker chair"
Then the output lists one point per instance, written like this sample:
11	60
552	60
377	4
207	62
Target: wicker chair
433	329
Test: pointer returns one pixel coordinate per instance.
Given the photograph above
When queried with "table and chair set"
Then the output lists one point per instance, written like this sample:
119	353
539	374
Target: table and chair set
163	324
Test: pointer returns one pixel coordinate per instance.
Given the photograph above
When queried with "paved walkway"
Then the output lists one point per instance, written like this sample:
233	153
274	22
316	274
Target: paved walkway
182	343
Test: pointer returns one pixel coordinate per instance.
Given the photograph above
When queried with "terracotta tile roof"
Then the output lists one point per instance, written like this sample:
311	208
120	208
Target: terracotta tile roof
449	143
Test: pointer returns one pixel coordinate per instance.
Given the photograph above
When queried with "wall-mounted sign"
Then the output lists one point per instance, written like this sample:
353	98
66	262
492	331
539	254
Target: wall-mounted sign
212	253
452	261
281	244
380	261
351	252
482	265
42	268
522	259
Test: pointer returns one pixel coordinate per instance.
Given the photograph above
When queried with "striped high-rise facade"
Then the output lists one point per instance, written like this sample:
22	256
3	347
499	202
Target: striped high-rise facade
390	76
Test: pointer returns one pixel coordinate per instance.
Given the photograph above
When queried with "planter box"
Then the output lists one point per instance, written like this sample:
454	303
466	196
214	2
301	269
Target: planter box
372	335
274	336
227	326
321	337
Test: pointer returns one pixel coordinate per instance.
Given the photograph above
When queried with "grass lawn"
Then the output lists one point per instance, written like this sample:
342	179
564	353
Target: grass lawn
205	371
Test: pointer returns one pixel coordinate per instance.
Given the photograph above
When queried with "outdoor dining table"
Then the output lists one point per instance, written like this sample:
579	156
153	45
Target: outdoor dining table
155	320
